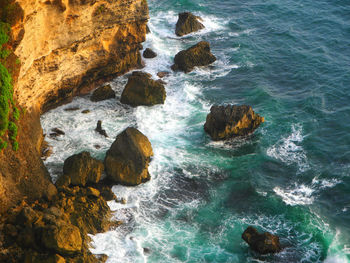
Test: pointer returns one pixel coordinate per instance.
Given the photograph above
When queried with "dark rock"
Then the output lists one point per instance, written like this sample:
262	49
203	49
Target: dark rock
97	146
58	131
92	192
26	216
224	122
263	243
46	150
197	55
142	90
149	53
103	93
147	29
71	109
85	111
163	74
80	169
187	23
100	130
128	158
146	250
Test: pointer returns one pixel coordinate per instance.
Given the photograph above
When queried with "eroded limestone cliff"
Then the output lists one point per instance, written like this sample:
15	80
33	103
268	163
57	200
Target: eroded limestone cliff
65	48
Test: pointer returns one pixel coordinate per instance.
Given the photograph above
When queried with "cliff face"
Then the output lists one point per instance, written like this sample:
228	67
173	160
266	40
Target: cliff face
66	48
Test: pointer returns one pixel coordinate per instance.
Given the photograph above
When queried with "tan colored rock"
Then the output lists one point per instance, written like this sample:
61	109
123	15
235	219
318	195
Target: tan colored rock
128	158
224	122
141	89
187	23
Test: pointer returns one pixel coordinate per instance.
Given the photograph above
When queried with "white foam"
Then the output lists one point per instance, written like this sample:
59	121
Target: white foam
298	195
289	149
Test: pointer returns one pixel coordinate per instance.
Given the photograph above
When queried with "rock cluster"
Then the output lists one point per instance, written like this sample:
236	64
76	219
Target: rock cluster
128	158
141	89
224	122
263	243
187	23
197	55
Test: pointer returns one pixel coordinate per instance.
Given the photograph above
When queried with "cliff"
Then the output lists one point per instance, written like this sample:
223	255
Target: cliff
65	48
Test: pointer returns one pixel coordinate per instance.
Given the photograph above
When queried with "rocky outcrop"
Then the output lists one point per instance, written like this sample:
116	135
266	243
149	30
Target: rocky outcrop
141	89
224	122
197	55
100	130
128	158
149	53
103	93
80	169
187	23
67	46
263	243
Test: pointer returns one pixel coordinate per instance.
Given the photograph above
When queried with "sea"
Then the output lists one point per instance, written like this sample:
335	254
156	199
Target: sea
289	60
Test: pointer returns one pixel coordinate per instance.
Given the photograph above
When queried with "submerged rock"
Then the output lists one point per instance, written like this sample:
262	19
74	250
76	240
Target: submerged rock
128	158
149	53
187	23
100	130
224	122
141	89
80	169
263	243
162	74
197	55
103	93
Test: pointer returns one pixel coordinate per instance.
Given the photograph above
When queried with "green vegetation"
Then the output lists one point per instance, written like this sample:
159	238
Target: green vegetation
9	113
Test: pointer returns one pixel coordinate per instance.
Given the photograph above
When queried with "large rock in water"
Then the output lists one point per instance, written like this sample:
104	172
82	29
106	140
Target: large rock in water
197	55
103	93
187	23
141	89
263	243
224	122
80	169
127	160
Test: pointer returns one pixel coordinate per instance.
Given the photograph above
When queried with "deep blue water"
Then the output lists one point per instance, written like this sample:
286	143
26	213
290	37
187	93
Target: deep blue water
289	60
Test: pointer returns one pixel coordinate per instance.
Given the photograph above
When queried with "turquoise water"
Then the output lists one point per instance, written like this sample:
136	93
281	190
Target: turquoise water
289	60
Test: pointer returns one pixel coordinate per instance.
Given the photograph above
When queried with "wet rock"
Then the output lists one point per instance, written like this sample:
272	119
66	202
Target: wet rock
85	111
147	29
80	169
103	93
56	132
188	23
141	89
163	74
263	243
26	216
100	130
71	109
65	239
46	150
224	122
197	55
149	53
128	158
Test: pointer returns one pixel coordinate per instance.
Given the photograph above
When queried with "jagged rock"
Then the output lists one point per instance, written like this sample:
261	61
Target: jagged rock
92	192
80	169
197	55
163	74
224	122
149	53
147	29
141	89
26	216
263	243
85	111
187	23
100	130
103	93
56	132
65	239
127	160
71	109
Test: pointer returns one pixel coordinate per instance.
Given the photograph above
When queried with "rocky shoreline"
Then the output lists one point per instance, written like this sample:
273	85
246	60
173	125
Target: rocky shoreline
54	227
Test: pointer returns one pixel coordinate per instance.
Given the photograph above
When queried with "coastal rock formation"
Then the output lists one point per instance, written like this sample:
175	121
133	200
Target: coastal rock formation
103	93
263	243
80	169
187	23
100	130
224	122
197	55
141	89
149	53
128	158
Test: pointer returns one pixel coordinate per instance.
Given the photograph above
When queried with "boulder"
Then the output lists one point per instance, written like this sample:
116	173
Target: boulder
100	130
80	169
103	93
141	89
263	243
162	74
197	55
224	122
128	158
149	53
187	23
65	239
